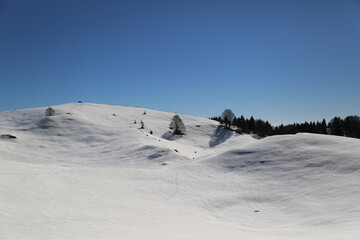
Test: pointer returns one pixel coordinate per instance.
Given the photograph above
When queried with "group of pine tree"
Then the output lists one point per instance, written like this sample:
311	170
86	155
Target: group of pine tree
349	126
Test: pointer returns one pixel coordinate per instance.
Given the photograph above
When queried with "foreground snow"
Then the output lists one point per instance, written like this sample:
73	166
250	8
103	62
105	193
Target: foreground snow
89	172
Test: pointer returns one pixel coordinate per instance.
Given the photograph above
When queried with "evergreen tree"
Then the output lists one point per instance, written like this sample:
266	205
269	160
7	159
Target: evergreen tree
251	124
323	128
336	126
243	125
352	126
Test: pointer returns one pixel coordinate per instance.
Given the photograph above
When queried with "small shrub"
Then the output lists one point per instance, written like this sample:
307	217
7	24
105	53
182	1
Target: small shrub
142	124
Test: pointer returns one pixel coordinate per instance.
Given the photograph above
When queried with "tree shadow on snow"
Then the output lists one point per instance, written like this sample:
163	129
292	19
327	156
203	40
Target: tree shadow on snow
168	136
45	123
50	123
220	135
171	136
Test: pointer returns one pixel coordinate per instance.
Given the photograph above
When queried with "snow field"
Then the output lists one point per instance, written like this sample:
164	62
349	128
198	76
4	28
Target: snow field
86	173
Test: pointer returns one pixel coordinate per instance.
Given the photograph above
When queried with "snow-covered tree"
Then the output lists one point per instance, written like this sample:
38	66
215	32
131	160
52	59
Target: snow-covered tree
227	116
177	125
50	112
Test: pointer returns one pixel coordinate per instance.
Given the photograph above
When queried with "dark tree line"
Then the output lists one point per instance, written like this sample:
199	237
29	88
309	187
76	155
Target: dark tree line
349	126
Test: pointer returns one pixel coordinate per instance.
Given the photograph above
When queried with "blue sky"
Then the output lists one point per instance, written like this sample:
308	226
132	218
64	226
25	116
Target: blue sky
282	61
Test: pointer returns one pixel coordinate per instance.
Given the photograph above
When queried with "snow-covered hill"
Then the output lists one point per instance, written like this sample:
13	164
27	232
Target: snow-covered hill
90	172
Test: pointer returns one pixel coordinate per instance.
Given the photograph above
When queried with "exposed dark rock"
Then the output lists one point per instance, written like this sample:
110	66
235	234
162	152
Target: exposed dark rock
8	136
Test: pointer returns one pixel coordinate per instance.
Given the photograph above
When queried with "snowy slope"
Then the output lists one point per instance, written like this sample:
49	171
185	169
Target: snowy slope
89	172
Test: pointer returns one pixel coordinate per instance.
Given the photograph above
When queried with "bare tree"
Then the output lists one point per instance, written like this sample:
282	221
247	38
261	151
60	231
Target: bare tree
227	116
50	112
177	126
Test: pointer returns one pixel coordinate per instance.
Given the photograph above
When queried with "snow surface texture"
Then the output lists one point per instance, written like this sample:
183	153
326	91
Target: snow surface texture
90	172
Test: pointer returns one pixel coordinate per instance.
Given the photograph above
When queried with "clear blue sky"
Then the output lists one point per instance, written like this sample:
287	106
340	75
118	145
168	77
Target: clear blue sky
282	61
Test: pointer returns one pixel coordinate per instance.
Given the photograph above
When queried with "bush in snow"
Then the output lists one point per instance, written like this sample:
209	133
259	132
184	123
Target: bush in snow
50	112
177	125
